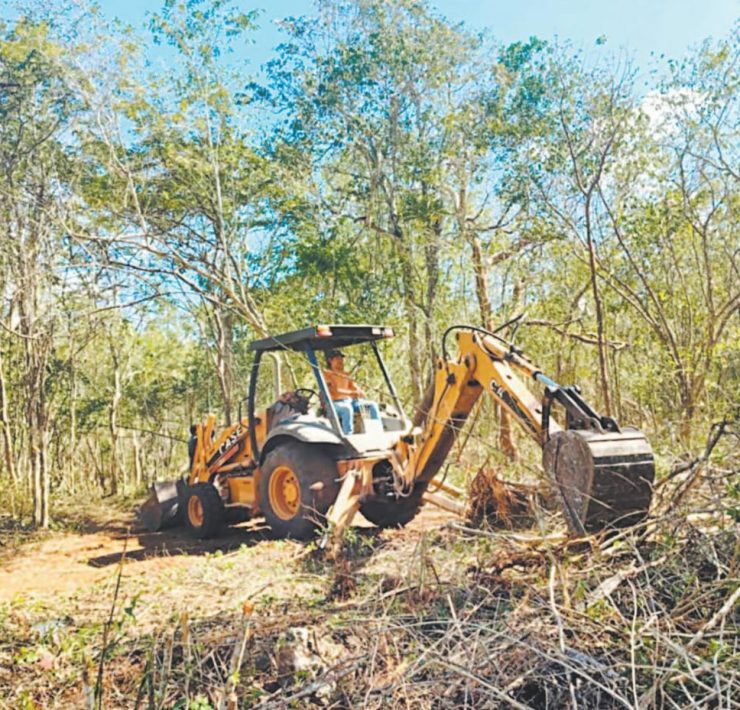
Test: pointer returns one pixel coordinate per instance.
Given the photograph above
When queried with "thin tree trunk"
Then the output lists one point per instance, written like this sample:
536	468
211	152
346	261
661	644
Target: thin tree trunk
687	415
8	457
431	254
113	421
407	284
137	460
600	324
72	458
95	457
45	480
40	507
481	281
506	438
431	258
38	491
36	346
225	361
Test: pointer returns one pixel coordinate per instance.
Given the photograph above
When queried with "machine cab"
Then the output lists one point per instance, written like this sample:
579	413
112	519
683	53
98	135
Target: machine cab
313	414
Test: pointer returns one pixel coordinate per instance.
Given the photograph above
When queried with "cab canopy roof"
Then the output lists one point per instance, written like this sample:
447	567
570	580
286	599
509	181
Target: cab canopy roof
323	337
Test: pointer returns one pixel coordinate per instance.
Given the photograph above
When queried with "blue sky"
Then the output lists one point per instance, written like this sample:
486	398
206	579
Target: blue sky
667	27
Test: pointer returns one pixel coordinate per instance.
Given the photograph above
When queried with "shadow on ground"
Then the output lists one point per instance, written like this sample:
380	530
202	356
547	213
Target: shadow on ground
176	541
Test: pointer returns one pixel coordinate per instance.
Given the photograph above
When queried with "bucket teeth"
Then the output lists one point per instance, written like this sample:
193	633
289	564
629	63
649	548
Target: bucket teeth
604	479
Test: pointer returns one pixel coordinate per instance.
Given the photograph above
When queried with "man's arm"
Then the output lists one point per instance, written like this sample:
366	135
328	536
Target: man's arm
357	390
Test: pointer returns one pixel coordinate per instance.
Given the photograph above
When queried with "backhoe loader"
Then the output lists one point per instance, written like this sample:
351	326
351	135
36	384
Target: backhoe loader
294	464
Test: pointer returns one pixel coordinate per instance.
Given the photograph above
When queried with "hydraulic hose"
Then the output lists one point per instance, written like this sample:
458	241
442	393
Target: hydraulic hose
484	331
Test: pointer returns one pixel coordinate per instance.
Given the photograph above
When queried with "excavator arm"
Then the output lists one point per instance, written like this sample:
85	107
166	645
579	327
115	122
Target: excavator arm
603	474
456	388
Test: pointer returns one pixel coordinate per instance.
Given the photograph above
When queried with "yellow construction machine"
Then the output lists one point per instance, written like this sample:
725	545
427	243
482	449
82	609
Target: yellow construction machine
293	463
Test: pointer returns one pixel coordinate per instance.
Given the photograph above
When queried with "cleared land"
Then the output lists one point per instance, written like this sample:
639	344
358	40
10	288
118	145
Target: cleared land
435	615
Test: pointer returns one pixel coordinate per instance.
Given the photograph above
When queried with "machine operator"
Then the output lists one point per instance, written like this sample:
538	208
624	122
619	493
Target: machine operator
345	393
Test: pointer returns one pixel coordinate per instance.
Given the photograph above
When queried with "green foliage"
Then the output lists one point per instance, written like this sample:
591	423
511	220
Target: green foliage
152	222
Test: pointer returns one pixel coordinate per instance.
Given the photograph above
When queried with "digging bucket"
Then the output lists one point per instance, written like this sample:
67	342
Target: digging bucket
605	479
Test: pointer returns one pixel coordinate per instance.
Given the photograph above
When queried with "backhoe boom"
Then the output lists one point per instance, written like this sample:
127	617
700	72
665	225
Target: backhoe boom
604	475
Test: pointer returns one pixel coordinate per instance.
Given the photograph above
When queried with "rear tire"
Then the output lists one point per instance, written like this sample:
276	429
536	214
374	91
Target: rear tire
204	510
393	512
292	508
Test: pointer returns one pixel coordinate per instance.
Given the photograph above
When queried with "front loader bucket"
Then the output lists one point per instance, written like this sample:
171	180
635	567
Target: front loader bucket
162	509
605	479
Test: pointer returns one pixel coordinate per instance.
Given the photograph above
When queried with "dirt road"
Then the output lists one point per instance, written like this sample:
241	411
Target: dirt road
68	562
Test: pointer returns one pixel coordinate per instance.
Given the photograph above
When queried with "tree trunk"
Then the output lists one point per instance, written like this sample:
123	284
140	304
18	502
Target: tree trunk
414	355
506	438
432	246
72	458
600	324
414	346
9	457
688	405
39	471
45	480
36	344
137	460
431	257
38	490
481	280
225	361
113	421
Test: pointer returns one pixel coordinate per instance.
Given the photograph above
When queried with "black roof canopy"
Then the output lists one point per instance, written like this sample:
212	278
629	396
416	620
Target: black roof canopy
323	337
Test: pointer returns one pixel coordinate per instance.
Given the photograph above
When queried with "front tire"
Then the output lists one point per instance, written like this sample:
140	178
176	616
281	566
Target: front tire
298	485
204	510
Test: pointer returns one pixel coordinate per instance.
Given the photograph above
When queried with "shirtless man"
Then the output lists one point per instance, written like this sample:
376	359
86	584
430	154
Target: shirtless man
345	393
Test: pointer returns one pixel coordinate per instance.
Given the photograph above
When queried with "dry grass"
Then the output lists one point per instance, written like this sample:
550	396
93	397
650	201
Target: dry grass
447	618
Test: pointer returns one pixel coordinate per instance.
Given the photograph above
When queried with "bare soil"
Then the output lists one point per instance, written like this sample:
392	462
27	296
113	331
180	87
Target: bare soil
64	563
57	590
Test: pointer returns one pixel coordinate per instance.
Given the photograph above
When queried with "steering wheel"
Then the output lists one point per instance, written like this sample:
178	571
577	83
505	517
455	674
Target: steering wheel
304	395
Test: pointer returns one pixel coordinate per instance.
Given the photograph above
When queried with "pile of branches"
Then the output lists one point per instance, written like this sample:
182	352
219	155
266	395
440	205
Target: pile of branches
637	624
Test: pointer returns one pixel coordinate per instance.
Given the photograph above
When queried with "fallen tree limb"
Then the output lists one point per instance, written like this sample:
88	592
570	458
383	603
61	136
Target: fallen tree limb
716	432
